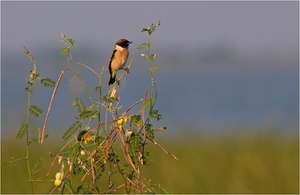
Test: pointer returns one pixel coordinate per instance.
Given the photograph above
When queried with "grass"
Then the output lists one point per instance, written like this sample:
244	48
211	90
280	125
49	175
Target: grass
227	163
231	164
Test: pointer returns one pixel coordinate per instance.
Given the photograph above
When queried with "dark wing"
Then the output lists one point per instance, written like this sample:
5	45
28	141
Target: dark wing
111	59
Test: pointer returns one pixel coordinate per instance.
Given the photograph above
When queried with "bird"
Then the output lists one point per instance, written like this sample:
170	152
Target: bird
118	59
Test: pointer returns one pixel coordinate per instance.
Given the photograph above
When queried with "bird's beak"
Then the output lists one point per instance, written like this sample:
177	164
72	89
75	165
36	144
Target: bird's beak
130	42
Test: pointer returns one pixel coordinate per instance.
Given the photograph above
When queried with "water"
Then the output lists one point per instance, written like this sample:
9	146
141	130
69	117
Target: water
202	100
216	100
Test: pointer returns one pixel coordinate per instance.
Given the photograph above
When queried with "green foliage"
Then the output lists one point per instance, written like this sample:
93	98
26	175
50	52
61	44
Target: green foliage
22	131
38	165
87	114
226	163
72	130
101	125
35	111
154	114
151	28
15	160
68	43
148	103
142	46
80	105
71	41
65	50
47	82
135	118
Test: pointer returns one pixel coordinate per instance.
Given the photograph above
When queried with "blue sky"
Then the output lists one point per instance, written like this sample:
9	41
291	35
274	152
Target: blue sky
245	25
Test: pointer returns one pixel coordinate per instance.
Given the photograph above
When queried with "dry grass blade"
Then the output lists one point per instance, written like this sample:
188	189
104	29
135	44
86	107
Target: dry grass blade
167	152
89	158
50	105
126	111
99	146
114	189
125	152
93	171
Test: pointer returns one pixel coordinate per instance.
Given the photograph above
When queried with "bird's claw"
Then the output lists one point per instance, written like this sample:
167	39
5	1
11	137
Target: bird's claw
126	70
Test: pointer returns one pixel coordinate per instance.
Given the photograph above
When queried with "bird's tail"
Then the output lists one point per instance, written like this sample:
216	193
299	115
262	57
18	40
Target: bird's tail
112	79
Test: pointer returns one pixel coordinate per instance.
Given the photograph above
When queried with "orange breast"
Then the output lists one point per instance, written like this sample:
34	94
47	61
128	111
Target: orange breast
120	59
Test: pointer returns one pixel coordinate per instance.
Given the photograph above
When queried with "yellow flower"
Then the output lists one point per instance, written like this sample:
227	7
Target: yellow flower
87	137
122	120
120	127
58	178
138	124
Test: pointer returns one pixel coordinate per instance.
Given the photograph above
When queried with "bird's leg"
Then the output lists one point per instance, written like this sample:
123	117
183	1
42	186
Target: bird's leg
126	70
118	82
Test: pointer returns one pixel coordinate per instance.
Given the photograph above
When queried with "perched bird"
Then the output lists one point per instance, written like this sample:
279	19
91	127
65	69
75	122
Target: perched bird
118	59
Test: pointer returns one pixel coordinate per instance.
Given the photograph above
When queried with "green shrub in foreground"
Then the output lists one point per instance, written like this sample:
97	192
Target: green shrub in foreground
104	141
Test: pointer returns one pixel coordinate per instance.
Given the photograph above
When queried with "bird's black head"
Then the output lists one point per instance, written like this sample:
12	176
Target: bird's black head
123	43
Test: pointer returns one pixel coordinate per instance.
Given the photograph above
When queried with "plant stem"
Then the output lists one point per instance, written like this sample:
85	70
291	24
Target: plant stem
27	141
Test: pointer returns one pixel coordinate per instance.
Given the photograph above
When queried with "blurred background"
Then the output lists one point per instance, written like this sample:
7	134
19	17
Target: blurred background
228	85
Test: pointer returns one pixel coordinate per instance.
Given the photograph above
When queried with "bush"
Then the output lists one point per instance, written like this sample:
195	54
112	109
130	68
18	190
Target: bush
113	150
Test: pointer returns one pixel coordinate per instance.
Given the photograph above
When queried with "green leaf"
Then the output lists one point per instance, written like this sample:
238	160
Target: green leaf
108	99
80	105
71	41
153	56
156	115
97	88
149	129
35	111
152	73
135	118
23	130
38	165
86	114
148	104
101	169
15	160
142	46
119	107
151	28
65	50
29	89
144	30
72	130
157	67
111	110
47	82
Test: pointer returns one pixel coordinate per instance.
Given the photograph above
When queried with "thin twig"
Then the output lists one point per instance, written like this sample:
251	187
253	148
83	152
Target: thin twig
89	69
57	157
